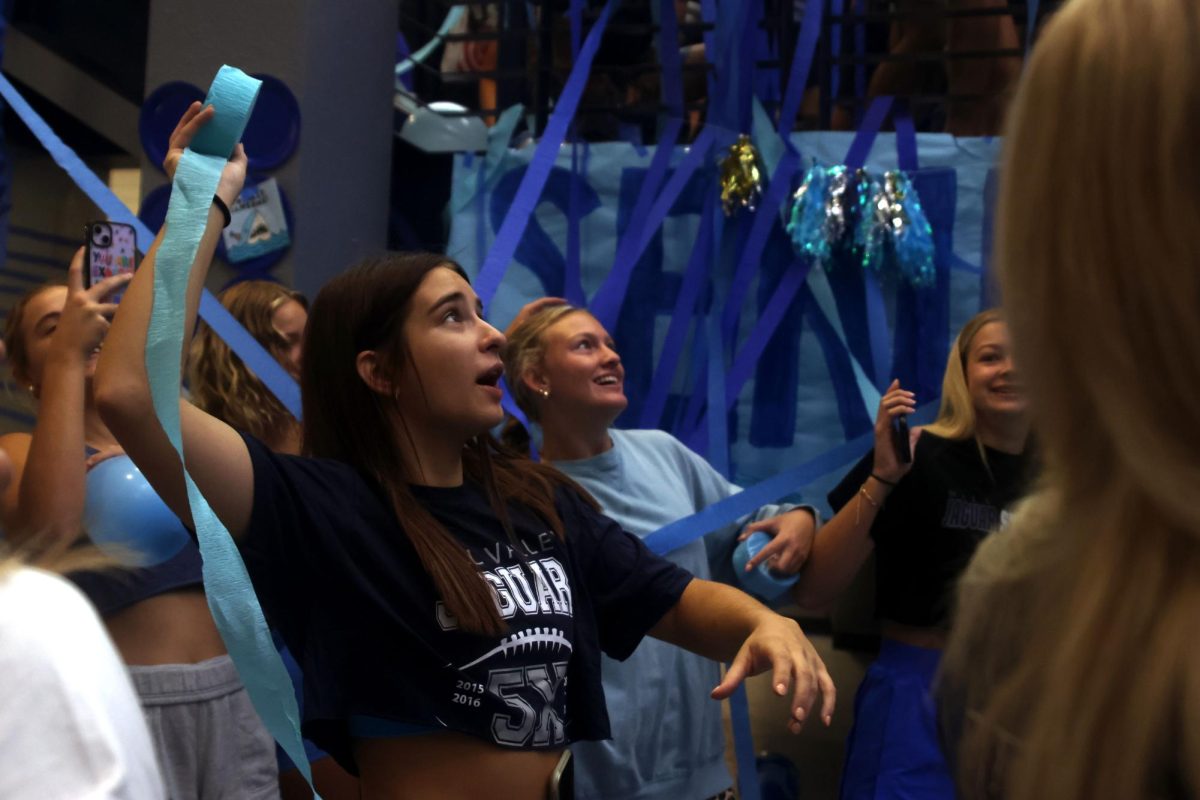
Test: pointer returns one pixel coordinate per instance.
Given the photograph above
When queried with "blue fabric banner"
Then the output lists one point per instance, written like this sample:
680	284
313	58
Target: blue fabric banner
803	395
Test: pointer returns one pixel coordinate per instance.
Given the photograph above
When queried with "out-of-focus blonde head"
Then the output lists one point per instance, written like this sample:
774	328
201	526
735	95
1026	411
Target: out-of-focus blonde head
1095	691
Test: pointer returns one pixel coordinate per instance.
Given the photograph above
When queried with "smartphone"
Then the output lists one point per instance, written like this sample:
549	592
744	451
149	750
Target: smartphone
562	780
111	250
900	440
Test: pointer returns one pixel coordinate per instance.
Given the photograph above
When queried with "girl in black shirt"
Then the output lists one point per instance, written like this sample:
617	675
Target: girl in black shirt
439	594
923	519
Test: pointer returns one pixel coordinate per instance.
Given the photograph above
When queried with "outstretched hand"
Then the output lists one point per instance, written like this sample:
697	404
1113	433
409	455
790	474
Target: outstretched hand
233	176
779	645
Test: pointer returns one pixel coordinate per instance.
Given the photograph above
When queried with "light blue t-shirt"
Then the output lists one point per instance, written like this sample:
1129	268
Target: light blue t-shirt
667	740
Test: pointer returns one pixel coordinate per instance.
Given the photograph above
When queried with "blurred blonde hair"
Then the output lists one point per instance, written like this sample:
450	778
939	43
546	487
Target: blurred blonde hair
956	414
525	348
220	382
1076	651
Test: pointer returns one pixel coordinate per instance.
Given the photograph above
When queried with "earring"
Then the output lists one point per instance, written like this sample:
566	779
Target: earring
545	393
31	389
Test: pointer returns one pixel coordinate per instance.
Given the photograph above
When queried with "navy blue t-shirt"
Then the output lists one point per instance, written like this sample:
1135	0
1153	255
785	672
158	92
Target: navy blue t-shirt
339	579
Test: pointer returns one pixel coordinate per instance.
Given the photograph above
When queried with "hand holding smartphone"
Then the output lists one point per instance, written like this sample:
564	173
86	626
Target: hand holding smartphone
900	440
111	250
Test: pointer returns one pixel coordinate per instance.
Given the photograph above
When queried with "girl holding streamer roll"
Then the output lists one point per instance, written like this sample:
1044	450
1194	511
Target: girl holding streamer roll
566	375
209	740
923	518
438	592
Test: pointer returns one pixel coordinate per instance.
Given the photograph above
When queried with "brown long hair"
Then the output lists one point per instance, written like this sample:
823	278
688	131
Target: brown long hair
365	309
219	380
1075	644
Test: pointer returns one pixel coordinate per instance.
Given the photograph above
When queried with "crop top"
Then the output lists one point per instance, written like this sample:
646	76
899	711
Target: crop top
341	582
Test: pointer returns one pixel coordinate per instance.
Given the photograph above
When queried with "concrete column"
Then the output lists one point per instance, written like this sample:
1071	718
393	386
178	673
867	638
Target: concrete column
337	58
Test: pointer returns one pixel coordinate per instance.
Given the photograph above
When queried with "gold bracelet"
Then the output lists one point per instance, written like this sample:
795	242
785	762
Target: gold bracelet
866	496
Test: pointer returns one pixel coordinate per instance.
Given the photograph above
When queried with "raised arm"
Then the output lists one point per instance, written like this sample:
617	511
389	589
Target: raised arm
216	455
844	542
42	508
724	624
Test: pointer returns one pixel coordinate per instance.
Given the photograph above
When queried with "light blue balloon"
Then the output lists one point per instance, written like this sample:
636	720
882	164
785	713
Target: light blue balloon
760	581
126	519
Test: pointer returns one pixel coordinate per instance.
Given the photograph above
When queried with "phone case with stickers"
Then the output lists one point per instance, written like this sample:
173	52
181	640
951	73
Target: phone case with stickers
111	250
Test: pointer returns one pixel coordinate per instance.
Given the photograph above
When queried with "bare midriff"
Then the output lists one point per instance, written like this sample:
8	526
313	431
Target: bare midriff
171	628
451	766
929	638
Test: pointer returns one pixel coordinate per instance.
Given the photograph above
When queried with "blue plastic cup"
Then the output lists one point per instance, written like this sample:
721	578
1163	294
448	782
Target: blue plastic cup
761	581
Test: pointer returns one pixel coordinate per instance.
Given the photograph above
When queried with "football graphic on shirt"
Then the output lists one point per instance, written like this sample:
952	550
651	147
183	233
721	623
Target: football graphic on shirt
526	641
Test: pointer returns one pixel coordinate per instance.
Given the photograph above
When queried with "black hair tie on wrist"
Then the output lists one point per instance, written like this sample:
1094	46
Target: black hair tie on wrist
883	481
224	209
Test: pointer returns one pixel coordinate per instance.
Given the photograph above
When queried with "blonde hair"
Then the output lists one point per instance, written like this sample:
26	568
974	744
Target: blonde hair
956	414
220	382
1094	689
14	331
525	348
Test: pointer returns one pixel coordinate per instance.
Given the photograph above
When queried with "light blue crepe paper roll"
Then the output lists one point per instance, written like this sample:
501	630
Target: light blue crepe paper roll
231	596
232	95
760	581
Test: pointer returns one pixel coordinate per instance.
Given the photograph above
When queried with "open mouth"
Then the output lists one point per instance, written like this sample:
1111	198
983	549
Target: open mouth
491	377
607	380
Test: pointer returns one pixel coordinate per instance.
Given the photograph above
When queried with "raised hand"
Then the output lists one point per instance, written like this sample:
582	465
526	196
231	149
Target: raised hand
233	176
85	316
896	403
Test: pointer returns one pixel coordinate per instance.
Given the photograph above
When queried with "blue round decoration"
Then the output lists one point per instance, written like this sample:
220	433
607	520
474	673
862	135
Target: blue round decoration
273	132
160	114
760	581
125	518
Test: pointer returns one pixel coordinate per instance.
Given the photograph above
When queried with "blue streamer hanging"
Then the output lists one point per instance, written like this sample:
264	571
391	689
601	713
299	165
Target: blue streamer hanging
491	272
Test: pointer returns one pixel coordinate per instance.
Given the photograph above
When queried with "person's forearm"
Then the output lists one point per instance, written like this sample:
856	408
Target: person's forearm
52	490
839	550
711	619
121	380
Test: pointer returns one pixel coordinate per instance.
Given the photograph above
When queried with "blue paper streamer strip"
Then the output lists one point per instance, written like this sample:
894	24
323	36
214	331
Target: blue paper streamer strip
227	585
491	273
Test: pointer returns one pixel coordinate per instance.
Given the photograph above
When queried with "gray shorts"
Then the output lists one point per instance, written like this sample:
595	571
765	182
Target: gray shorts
209	740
